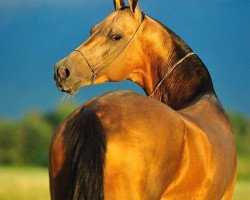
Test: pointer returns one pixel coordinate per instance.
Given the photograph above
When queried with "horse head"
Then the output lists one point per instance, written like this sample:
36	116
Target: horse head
106	55
130	45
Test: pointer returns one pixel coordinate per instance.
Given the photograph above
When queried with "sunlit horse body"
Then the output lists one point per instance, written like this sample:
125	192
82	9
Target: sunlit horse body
122	145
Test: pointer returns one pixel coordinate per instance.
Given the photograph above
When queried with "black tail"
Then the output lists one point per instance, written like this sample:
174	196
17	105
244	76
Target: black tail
86	148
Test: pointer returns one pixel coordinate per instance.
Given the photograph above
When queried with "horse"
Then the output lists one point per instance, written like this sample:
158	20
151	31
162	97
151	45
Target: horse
175	142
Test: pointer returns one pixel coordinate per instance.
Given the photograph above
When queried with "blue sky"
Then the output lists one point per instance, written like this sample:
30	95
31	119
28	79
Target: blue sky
36	34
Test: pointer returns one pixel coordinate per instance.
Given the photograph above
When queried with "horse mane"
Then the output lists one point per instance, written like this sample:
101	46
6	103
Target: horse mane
178	41
189	80
85	145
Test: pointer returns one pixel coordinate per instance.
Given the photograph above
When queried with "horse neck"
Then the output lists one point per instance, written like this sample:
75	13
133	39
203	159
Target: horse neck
189	79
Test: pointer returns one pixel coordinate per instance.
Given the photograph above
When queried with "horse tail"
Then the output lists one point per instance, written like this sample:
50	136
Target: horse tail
86	149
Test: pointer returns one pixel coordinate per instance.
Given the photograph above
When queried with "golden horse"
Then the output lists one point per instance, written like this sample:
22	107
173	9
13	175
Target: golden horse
178	144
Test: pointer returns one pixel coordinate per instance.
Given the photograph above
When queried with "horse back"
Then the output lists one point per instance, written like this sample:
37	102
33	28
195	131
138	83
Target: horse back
148	151
137	140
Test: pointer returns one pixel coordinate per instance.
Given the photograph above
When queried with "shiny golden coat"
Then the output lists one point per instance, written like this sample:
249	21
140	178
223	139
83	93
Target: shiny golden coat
182	150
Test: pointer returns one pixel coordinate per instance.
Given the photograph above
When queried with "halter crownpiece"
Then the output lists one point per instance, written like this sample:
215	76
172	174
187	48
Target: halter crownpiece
170	71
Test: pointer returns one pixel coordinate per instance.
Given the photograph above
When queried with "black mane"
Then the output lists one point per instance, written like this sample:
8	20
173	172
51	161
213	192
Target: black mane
179	42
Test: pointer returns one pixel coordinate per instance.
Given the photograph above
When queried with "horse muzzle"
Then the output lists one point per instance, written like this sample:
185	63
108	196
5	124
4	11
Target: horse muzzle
64	79
71	73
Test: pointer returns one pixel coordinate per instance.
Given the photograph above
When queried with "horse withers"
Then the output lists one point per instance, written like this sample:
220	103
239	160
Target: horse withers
178	144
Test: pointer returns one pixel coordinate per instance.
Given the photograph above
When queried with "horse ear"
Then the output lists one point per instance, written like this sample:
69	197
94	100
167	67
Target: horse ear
118	4
134	6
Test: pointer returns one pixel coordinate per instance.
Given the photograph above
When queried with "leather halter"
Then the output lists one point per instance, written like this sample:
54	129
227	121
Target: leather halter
95	73
170	71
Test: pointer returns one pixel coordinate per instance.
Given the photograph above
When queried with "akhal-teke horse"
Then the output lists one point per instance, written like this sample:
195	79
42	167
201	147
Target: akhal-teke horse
176	145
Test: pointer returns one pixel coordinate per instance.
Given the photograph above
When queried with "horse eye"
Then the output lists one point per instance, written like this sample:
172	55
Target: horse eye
116	37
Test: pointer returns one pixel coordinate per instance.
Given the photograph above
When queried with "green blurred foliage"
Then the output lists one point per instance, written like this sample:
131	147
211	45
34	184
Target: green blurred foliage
26	142
241	130
9	142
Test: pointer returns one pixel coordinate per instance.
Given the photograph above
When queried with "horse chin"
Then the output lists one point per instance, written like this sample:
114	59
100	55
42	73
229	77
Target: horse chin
76	86
69	90
72	90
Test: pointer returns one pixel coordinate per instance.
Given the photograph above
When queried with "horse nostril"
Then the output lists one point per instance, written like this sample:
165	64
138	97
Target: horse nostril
63	73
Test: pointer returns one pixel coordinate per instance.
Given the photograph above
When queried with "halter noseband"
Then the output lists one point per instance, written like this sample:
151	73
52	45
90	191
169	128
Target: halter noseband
95	74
